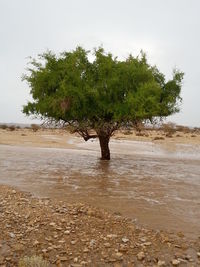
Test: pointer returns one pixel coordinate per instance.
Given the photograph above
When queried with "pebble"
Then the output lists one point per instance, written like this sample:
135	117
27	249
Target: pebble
125	240
198	254
161	263
44	251
147	244
52	224
35	243
107	245
118	255
175	262
140	256
12	235
75	260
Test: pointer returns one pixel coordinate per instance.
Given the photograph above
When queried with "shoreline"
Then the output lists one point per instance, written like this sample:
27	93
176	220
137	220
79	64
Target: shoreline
81	235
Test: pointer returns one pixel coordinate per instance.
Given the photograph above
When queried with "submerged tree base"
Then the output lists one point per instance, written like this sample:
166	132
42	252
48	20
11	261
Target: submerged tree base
104	144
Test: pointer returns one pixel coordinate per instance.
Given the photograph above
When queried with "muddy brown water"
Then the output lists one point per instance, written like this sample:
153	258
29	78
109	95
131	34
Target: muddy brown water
158	186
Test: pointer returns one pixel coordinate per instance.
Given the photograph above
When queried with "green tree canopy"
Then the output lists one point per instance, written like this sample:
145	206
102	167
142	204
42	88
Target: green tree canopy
98	97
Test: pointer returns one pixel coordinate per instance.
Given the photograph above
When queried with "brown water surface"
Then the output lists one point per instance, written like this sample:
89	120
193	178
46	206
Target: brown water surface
155	185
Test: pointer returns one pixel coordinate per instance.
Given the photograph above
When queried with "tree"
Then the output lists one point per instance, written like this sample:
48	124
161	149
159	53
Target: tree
98	97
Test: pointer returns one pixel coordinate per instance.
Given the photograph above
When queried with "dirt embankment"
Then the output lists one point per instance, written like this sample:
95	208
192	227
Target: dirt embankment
80	235
60	138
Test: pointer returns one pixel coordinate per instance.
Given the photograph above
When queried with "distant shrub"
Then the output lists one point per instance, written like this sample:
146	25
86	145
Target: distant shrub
183	129
35	127
34	261
140	134
169	128
159	138
11	128
139	127
127	132
3	126
196	130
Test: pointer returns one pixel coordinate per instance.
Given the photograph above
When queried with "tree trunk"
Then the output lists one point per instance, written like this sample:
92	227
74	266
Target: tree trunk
104	144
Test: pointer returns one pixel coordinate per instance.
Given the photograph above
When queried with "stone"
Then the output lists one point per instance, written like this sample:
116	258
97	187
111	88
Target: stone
175	262
198	254
161	263
123	248
125	240
35	243
63	258
44	251
52	224
107	245
147	244
118	255
75	260
140	256
12	235
84	263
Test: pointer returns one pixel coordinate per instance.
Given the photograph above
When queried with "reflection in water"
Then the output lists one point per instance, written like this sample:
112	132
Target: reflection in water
160	190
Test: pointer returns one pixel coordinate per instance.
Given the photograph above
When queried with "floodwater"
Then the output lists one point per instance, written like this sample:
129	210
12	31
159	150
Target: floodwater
158	186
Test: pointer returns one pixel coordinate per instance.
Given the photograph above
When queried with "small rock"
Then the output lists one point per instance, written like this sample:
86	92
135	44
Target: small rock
35	243
125	240
92	242
44	250
147	244
63	259
118	255
12	235
161	263
198	254
14	192
141	256
123	248
175	262
75	260
107	245
84	263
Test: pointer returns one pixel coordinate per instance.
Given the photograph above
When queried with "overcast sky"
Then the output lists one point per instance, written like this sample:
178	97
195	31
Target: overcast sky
168	31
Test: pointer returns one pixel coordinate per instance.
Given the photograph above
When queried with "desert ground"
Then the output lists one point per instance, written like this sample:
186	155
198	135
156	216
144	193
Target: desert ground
60	202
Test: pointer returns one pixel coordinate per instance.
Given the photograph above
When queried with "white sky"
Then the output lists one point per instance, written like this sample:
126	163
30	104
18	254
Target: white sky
169	31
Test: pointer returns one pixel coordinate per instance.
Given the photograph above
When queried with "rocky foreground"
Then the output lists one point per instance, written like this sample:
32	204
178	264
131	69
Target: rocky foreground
80	235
